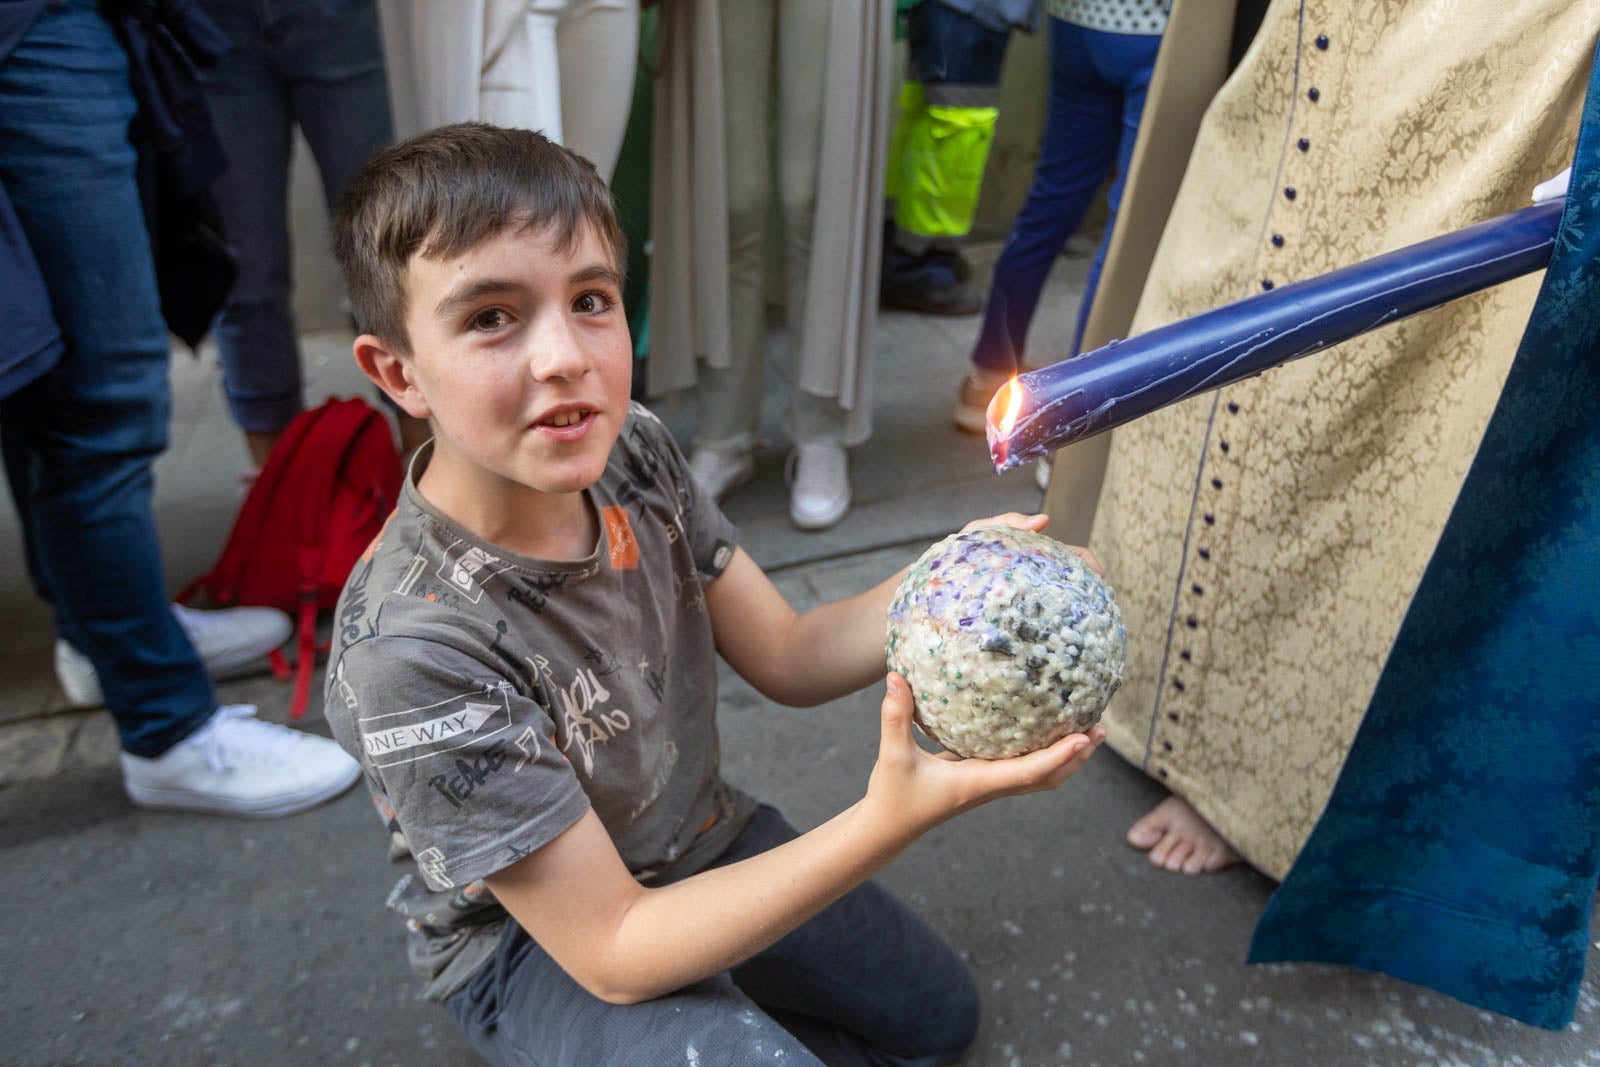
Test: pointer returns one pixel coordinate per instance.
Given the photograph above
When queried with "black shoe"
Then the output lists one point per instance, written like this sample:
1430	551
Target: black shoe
957	299
953	261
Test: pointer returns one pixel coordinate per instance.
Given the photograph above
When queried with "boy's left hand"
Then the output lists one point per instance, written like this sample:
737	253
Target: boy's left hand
1036	523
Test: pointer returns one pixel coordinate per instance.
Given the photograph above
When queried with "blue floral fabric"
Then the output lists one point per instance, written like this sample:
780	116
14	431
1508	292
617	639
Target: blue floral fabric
1460	848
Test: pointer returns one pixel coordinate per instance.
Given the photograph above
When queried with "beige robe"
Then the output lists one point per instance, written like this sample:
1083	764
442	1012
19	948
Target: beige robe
1264	541
689	217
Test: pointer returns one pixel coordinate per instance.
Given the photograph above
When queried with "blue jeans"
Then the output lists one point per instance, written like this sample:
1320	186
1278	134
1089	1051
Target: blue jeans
1097	89
865	982
317	64
79	442
946	46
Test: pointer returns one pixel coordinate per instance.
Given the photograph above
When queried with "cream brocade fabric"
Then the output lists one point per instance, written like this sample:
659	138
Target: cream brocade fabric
1264	541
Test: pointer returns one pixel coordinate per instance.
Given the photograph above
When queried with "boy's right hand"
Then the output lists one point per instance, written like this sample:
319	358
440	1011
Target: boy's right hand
910	784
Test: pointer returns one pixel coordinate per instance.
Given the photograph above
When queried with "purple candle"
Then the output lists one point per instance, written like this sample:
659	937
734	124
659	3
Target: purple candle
1041	411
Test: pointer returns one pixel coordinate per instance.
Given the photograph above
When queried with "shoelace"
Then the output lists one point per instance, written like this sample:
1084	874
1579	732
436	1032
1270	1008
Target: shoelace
234	734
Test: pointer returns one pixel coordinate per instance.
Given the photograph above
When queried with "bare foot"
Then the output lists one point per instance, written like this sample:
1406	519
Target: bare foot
1178	839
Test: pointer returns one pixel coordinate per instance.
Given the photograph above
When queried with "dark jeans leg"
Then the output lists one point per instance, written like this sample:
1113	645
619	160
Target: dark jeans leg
521	1010
1084	130
1129	61
81	440
257	341
340	103
864	983
946	46
299	63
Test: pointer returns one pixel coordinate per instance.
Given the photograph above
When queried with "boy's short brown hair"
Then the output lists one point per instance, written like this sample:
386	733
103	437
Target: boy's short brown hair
444	191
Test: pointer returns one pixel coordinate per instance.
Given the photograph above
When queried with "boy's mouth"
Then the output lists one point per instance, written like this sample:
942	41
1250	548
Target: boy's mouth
565	417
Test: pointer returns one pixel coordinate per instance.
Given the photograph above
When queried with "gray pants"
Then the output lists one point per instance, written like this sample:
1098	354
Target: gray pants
753	33
864	982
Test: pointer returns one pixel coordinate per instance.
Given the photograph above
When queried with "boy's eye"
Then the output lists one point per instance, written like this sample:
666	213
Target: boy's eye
592	303
490	319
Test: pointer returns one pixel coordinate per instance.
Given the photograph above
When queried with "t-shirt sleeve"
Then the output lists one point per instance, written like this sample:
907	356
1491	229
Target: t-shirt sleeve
465	759
712	536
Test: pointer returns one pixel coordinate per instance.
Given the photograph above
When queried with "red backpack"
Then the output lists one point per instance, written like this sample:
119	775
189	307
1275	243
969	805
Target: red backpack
321	498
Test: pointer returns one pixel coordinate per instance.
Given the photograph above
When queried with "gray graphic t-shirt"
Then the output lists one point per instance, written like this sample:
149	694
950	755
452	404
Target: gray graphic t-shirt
493	698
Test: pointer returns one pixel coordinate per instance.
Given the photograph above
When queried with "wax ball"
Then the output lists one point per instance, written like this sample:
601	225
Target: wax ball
1008	639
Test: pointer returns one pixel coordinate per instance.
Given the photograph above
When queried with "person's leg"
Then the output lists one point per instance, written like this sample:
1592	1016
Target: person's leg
944	139
521	1008
333	67
1127	61
521	82
730	398
87	432
332	64
949	47
235	640
802	42
257	341
866	981
81	439
820	475
598	41
1083	128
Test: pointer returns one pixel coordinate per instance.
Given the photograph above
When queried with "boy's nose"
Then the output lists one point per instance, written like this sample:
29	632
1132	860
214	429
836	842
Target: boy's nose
555	352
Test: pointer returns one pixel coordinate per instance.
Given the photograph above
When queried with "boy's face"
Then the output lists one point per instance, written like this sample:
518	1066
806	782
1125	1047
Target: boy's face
520	353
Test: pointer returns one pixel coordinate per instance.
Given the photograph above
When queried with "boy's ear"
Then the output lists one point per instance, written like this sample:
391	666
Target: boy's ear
390	372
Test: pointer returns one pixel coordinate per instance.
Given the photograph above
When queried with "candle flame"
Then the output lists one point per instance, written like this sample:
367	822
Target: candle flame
1008	401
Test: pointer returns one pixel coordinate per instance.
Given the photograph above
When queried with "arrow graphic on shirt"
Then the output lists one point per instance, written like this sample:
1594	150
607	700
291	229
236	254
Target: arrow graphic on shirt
463	721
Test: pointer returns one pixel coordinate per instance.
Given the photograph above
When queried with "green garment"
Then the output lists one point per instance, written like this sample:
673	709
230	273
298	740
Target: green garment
936	163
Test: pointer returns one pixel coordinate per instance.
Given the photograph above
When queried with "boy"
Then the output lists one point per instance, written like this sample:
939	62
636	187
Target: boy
525	665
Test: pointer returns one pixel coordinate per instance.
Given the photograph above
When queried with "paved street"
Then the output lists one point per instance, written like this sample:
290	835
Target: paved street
140	938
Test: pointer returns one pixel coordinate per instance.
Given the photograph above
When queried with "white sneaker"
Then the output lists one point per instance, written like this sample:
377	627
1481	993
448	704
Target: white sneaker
820	492
238	765
721	470
231	642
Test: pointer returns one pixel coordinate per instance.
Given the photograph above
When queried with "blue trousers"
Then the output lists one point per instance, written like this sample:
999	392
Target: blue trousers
865	982
1098	83
79	441
316	64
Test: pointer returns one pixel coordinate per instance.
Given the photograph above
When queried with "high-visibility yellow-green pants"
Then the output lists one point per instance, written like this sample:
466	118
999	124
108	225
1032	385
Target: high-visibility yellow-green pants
936	159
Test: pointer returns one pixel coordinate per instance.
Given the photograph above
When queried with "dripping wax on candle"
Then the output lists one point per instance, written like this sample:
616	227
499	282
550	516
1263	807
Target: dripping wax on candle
1054	406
